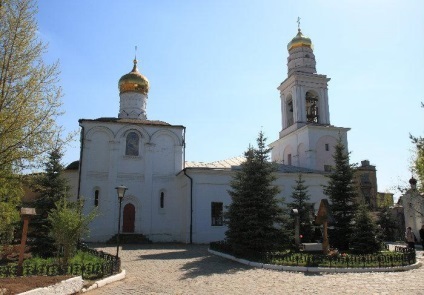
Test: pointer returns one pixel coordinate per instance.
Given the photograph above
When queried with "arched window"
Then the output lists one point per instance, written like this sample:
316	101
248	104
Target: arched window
96	197
162	200
132	144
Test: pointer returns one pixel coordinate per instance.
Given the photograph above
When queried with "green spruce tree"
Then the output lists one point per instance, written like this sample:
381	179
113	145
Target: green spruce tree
254	215
300	199
342	193
364	237
388	226
50	186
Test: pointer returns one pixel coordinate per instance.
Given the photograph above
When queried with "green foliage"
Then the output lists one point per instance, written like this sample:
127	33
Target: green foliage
10	199
254	216
68	225
51	187
418	164
84	258
388	226
29	96
342	193
300	198
364	237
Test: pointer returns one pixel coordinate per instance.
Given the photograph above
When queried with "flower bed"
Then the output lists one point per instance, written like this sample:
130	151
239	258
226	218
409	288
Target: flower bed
335	260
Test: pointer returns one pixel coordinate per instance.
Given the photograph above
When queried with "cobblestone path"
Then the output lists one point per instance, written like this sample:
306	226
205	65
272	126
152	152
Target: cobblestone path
190	269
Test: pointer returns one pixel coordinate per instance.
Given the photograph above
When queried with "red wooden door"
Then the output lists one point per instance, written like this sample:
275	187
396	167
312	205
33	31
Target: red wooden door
129	218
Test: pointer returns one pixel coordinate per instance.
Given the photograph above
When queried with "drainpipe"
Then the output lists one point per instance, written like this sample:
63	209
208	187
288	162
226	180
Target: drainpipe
184	146
191	206
80	162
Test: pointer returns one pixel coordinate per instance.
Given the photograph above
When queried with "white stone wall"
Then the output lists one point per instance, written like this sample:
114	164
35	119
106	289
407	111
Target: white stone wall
213	185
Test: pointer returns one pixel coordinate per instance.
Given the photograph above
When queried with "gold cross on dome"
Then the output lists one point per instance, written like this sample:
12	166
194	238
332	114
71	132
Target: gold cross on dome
298	23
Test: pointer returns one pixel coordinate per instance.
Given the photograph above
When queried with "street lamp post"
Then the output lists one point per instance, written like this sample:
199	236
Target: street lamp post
121	193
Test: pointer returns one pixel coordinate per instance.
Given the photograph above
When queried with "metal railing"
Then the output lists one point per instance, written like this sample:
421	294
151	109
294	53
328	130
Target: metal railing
402	256
110	266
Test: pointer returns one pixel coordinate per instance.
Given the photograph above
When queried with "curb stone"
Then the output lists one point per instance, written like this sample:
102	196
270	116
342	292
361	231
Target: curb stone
318	269
105	281
69	286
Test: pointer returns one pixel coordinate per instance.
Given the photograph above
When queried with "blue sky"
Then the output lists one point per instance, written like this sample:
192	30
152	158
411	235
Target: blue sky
214	67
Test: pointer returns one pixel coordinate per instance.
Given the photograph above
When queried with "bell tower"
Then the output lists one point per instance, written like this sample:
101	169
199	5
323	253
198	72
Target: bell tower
307	138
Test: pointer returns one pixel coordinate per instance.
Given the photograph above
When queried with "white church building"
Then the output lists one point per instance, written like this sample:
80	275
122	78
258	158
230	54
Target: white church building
170	199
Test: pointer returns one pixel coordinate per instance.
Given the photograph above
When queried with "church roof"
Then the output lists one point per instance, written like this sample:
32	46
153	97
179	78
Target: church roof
234	163
299	40
125	120
228	163
294	169
134	81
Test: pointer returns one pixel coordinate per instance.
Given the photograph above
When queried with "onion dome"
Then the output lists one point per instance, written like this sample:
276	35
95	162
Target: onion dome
299	41
134	81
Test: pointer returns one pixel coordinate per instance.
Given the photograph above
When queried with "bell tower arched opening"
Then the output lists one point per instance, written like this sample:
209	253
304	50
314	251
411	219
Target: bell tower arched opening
289	111
311	103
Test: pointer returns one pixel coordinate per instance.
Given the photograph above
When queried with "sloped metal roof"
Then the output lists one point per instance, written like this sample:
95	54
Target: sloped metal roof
127	121
234	163
222	164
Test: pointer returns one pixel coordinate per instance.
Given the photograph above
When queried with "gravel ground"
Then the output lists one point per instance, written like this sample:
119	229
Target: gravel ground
190	269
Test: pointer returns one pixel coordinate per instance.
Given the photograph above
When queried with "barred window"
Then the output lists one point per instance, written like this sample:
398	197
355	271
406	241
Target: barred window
162	200
217	213
96	197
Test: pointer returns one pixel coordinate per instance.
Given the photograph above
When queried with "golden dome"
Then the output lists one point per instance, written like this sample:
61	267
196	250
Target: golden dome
134	81
299	41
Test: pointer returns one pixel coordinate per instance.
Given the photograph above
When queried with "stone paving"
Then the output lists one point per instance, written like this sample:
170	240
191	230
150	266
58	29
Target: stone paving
190	269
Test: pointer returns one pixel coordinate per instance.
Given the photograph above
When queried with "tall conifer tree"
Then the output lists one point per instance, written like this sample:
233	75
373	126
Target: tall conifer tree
51	187
364	236
254	213
388	226
342	193
300	198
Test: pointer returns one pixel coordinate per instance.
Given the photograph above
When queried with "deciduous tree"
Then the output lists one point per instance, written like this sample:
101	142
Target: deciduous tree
10	199
418	163
29	92
68	226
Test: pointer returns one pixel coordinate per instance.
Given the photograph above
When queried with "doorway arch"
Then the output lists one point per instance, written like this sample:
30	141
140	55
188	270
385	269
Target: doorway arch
129	218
